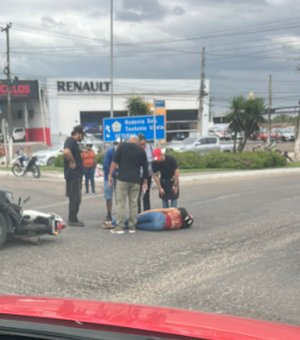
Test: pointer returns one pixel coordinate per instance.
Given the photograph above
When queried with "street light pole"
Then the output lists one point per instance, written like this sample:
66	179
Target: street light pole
201	94
10	153
269	110
111	58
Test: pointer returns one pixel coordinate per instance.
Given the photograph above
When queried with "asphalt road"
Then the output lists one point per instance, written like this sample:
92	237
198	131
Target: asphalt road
241	257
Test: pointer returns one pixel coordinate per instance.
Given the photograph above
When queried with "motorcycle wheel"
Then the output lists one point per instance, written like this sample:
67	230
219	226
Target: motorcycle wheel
36	172
3	230
18	170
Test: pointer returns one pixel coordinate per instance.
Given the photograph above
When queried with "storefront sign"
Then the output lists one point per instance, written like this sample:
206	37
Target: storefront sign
292	110
83	87
160	103
20	89
115	128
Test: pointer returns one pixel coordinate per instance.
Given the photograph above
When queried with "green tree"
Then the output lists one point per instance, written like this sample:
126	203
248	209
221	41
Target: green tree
252	118
137	106
235	117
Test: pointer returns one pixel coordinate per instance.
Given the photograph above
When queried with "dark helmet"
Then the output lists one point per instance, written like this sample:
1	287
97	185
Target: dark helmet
187	219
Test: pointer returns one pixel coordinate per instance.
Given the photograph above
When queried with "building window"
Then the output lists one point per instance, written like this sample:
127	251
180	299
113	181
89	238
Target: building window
18	114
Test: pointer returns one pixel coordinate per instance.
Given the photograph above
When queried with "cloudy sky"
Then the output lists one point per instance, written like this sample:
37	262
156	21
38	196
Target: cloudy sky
245	41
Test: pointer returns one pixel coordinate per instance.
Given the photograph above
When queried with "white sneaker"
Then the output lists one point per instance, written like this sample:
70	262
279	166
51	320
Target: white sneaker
132	231
117	231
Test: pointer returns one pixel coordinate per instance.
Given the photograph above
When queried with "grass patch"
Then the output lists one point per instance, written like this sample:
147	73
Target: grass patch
186	171
43	168
51	168
293	165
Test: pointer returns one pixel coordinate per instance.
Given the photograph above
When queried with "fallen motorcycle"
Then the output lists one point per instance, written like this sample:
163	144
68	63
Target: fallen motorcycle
27	224
21	164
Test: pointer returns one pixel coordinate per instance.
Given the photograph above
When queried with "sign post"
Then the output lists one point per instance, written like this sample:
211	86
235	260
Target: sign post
152	110
160	109
152	127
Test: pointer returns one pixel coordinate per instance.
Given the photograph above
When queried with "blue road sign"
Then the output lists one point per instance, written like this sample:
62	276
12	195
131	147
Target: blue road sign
159	103
0	109
125	127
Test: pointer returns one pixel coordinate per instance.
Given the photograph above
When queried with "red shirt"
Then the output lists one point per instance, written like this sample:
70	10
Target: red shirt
173	221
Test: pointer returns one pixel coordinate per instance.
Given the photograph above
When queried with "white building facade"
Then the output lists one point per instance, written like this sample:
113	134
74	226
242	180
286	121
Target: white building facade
88	102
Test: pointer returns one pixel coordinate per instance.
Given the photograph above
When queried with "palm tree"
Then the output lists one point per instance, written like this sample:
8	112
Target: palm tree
137	106
235	117
252	118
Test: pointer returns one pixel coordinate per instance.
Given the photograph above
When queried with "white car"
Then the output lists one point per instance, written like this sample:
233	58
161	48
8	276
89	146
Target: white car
19	135
201	145
219	133
286	135
46	157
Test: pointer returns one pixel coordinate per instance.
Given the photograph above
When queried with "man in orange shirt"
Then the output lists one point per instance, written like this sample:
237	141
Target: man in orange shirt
89	164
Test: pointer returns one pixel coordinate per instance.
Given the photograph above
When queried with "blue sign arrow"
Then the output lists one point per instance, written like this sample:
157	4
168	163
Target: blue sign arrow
114	128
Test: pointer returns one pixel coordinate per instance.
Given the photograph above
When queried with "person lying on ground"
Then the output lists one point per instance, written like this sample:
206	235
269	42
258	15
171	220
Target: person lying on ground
158	219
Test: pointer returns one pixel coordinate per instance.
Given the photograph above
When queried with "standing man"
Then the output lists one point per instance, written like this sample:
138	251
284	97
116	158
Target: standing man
109	189
146	195
73	169
129	157
169	176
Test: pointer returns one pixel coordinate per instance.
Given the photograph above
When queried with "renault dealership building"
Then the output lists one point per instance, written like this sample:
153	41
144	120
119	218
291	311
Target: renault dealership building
88	101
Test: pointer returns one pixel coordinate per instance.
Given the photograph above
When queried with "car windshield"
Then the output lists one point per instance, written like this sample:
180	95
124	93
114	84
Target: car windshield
157	142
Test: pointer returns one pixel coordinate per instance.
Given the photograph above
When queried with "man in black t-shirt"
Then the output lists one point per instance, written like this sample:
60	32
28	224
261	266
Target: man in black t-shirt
129	157
169	176
73	169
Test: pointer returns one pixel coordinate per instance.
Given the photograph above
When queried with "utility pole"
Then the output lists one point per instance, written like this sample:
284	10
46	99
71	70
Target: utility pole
211	118
202	92
269	110
7	71
297	140
111	58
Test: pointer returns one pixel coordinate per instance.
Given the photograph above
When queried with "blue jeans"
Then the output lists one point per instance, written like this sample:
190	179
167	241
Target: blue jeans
165	204
151	221
89	174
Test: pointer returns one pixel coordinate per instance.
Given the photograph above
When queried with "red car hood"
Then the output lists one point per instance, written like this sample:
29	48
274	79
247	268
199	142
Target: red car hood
147	319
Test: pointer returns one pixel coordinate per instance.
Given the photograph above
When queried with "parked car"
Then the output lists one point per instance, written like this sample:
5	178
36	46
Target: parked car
263	135
19	135
286	135
219	133
46	157
201	145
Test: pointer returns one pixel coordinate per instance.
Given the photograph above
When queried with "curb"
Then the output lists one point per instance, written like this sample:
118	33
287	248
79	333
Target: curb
189	178
248	173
